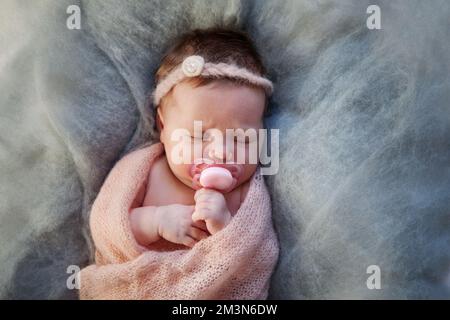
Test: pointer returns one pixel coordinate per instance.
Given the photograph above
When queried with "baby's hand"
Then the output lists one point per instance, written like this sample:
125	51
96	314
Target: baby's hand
210	206
176	225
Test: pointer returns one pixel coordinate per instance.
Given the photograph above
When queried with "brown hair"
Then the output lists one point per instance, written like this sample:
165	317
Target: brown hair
216	45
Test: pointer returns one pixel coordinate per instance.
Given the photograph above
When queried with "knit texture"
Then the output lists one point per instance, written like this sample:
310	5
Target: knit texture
234	263
213	70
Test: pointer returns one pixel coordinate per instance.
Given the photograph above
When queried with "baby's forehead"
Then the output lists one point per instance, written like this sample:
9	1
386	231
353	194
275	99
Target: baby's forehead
225	96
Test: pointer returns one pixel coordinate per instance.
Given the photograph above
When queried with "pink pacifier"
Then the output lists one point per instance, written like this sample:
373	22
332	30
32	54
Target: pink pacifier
216	178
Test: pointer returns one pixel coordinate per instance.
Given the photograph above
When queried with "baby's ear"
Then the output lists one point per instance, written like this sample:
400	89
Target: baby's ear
159	120
159	123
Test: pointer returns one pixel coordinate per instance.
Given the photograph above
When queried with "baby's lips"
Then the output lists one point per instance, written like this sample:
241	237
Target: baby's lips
235	169
196	182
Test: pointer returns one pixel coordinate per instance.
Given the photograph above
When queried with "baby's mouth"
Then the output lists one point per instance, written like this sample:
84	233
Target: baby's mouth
199	166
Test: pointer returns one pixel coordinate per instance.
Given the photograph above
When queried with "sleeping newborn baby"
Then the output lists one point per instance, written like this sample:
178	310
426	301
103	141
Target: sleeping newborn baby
219	97
175	206
190	217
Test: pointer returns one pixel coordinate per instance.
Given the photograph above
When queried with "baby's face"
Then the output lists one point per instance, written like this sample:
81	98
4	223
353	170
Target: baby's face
219	105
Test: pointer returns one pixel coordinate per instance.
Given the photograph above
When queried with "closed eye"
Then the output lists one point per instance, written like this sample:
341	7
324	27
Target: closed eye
200	138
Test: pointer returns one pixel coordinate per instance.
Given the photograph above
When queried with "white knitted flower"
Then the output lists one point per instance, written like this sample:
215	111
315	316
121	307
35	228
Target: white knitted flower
193	66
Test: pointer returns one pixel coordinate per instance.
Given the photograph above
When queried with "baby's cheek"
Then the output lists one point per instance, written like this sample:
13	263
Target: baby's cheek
184	170
178	165
246	153
240	153
249	170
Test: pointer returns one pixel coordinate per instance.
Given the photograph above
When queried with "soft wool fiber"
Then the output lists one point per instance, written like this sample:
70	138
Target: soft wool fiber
364	120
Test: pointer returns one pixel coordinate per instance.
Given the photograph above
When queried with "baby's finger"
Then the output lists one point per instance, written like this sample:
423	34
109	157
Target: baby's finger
197	215
188	241
204	198
201	224
197	233
198	193
203	193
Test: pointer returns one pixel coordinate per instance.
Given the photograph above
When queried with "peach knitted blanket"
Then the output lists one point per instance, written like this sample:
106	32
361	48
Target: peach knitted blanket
235	263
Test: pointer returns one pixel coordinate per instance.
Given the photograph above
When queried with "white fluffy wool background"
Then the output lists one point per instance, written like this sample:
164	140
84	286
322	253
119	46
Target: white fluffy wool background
364	119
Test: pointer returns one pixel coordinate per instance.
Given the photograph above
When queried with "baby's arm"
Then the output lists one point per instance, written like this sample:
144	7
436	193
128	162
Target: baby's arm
172	222
145	224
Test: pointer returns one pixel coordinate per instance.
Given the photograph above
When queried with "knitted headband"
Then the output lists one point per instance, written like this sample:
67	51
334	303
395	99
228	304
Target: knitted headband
194	66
